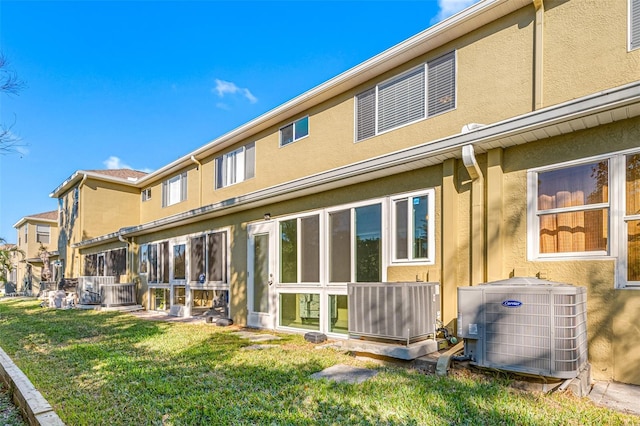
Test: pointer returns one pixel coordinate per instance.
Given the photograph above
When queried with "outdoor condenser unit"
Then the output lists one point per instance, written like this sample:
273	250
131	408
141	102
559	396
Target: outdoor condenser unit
405	312
525	325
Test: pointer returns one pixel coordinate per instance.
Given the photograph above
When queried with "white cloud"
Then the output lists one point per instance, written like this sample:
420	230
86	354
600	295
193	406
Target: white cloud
447	8
224	88
114	162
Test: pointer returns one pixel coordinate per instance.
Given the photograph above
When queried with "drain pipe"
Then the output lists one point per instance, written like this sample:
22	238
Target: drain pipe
199	169
538	55
477	244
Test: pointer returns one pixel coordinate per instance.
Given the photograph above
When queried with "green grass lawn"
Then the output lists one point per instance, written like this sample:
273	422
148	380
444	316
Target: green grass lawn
110	368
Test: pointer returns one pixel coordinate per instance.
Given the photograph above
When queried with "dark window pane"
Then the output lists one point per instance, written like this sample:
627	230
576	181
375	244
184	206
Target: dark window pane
310	250
289	251
197	258
368	239
401	212
420	227
286	134
216	250
340	246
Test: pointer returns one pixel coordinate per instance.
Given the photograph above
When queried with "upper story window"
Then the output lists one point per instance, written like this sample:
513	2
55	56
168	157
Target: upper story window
235	166
174	190
422	92
146	194
294	131
588	209
634	24
26	233
43	234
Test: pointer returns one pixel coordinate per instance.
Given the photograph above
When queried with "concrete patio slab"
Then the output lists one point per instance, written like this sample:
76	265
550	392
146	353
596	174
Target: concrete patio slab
342	373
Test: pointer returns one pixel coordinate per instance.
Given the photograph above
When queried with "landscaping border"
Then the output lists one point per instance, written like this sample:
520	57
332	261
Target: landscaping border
34	408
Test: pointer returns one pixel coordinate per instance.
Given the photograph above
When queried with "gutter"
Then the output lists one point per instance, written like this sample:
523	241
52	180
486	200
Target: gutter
619	103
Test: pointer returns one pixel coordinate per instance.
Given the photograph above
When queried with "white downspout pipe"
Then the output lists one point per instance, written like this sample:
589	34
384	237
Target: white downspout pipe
478	217
199	168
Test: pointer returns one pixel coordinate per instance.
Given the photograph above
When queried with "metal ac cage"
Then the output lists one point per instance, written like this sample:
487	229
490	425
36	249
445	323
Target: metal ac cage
525	325
404	312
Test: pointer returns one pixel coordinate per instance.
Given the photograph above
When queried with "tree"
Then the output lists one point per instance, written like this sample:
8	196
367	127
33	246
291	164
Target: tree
10	84
8	252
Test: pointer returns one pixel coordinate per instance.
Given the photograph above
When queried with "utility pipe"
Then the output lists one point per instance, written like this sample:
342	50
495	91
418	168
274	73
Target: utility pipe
199	168
538	49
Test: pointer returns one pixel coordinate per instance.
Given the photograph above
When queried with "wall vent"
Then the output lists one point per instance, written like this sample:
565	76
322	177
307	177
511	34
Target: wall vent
405	312
525	325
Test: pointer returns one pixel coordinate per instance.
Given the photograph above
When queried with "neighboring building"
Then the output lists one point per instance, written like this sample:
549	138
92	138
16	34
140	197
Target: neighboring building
37	234
383	174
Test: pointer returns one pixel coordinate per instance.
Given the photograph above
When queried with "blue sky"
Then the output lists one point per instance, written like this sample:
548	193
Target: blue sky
138	84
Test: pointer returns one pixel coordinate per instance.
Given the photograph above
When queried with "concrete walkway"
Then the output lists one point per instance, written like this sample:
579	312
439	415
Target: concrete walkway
617	396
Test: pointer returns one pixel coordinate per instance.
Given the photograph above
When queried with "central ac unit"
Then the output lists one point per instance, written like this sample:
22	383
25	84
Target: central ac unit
525	325
405	312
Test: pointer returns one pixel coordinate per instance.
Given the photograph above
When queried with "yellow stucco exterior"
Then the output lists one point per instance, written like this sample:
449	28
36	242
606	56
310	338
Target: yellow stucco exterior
547	87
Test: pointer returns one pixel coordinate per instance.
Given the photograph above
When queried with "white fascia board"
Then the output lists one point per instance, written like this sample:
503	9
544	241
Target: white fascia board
80	174
34	219
447	30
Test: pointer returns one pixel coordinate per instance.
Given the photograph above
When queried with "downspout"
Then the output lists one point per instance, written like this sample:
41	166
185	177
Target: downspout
199	168
477	240
538	49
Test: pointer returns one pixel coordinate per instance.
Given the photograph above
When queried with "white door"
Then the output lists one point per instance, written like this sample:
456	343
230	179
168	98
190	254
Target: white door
262	303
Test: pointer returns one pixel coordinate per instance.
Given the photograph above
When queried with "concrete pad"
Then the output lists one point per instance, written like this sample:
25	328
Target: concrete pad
259	347
405	352
617	396
342	373
255	337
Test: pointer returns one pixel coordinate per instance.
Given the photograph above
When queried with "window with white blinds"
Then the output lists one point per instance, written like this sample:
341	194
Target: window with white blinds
174	190
401	100
634	24
422	92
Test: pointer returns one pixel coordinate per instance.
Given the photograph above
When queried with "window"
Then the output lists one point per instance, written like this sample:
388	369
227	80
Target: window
43	234
355	256
573	209
158	262
300	250
412	229
179	262
208	261
174	190
588	209
146	194
235	166
111	263
144	259
422	92
634	24
26	233
632	219
294	131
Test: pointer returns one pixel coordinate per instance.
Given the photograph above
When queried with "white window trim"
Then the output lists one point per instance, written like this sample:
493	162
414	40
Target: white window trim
630	25
617	217
224	160
431	227
183	189
146	194
293	123
321	243
533	224
426	96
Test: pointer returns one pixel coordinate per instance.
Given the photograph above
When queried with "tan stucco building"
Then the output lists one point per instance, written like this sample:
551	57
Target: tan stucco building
503	141
37	237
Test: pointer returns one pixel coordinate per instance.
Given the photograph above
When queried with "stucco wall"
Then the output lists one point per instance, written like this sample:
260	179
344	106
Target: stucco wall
612	335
